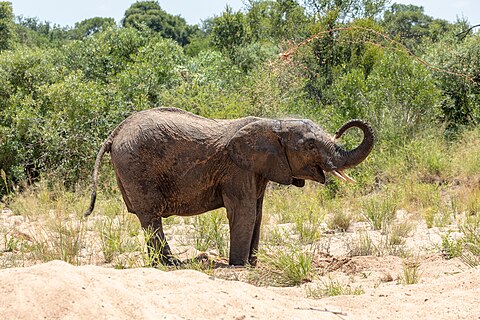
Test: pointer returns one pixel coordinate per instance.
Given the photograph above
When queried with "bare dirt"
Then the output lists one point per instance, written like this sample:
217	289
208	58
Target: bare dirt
448	289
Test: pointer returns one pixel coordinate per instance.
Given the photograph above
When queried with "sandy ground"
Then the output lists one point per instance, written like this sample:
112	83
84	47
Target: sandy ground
448	289
57	290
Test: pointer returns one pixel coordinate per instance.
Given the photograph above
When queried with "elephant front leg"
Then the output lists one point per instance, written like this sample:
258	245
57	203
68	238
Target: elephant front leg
252	259
241	219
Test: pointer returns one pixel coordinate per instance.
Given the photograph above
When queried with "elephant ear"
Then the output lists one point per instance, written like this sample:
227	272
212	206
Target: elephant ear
257	147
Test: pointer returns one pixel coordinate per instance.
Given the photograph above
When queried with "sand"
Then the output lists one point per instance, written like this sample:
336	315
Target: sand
57	290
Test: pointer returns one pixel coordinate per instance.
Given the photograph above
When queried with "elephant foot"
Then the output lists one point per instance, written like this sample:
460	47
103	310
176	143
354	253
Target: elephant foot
238	262
170	261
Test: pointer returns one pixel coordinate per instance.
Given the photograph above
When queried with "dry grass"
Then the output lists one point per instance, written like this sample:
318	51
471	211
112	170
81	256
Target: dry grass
47	223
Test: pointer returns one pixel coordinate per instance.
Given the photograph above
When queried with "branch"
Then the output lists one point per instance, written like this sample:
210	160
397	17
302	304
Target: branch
464	33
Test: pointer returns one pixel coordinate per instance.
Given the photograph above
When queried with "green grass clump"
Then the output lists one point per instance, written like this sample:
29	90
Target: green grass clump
331	288
210	231
411	273
363	246
471	241
287	266
339	217
118	235
451	248
380	209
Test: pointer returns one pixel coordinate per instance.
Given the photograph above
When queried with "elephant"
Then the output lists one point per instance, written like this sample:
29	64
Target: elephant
168	161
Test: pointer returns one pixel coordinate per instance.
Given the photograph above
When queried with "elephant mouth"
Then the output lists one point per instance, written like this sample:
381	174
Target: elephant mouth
319	175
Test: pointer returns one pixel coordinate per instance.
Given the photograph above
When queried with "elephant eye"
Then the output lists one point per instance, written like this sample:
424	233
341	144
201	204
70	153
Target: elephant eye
310	144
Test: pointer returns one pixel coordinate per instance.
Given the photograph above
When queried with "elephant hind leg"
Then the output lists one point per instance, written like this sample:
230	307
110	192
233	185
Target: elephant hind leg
124	195
158	249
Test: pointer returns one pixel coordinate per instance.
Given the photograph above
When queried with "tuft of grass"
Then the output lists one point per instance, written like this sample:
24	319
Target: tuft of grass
288	266
286	203
307	225
363	246
118	235
471	240
411	273
397	232
330	288
210	231
419	196
472	202
380	209
340	218
450	247
59	240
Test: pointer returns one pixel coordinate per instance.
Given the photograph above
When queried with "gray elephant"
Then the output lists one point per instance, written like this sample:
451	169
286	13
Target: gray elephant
171	162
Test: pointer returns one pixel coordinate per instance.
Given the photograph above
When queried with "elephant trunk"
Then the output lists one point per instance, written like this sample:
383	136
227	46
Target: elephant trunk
350	158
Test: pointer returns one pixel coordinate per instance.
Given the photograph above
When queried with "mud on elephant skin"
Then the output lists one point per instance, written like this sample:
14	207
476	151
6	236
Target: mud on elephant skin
171	162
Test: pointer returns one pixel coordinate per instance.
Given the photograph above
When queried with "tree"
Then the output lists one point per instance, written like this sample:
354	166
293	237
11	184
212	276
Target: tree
229	30
410	23
32	32
346	10
149	14
91	26
276	20
7	26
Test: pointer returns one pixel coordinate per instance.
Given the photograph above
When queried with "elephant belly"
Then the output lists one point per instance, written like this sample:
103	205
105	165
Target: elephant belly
176	190
194	203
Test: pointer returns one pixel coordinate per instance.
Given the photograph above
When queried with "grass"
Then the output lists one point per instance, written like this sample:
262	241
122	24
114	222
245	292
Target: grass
210	231
363	246
380	209
289	266
299	224
411	272
331	288
340	219
471	241
118	235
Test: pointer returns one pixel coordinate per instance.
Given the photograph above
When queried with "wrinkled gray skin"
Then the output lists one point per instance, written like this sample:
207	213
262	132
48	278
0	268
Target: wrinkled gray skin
171	162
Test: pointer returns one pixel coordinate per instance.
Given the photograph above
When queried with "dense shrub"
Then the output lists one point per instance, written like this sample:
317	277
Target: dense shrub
63	90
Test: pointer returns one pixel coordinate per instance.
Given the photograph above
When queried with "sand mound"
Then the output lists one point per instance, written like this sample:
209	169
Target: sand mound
57	290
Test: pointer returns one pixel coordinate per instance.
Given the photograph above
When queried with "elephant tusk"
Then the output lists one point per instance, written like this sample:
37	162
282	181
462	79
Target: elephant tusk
343	176
349	179
338	175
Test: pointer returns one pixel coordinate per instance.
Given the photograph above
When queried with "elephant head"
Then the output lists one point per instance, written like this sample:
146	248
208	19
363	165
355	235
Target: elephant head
290	151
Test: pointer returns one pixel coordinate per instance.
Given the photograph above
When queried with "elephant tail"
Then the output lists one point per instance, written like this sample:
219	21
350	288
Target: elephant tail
105	148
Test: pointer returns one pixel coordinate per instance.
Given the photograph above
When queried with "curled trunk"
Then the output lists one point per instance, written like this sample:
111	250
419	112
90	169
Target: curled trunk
350	158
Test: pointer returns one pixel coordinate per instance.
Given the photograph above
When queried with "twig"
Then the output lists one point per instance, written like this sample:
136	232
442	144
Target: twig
337	313
287	55
463	34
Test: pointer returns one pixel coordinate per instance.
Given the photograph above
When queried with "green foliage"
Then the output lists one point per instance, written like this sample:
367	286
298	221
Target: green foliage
459	85
62	90
149	14
332	288
6	26
410	23
91	26
276	20
471	240
34	33
411	273
346	9
380	210
229	31
211	232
